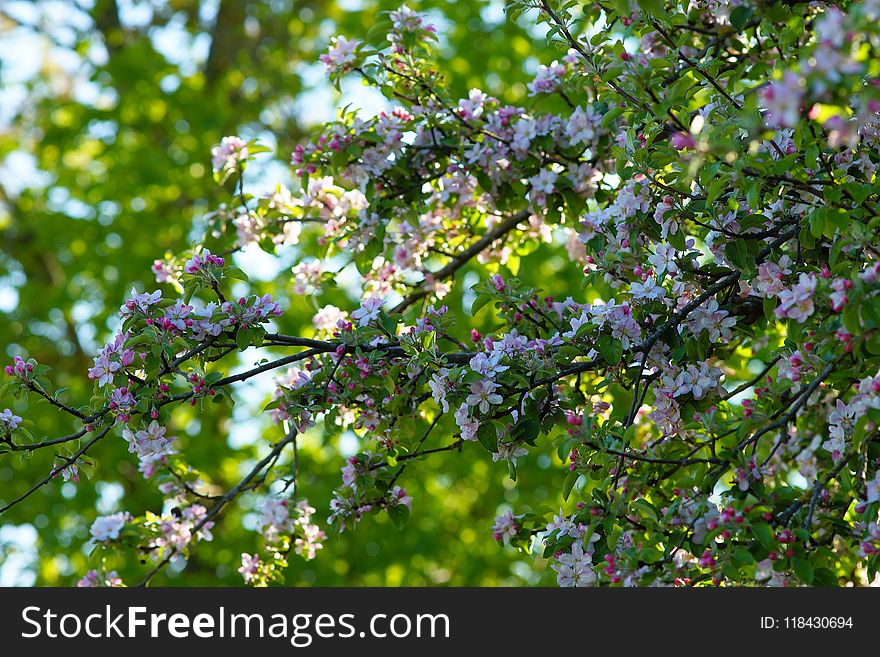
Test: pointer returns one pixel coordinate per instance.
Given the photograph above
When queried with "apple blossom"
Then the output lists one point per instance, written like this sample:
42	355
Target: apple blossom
107	528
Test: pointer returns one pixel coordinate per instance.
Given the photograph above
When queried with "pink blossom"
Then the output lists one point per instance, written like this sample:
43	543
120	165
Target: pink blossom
483	395
341	55
107	528
150	441
466	424
398	496
506	527
782	100
797	303
839	297
104	370
369	310
548	79
162	271
202	260
226	155
9	420
250	566
20	369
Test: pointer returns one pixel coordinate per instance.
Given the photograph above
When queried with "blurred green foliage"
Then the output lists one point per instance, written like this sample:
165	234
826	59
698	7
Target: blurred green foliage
106	166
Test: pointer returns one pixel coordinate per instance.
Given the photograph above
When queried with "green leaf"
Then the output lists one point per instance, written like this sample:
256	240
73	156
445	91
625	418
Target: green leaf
650	510
388	322
677	239
649	555
764	535
824	577
213	377
399	514
739	16
482	299
818	223
488	437
570	480
610	348
654	8
871	314
715	190
612	114
836	220
803	570
236	273
737	252
850	317
429	339
527	430
873	344
241	339
769	305
742	556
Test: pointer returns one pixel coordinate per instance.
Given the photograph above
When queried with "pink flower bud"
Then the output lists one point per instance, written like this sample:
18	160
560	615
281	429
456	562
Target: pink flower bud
682	141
